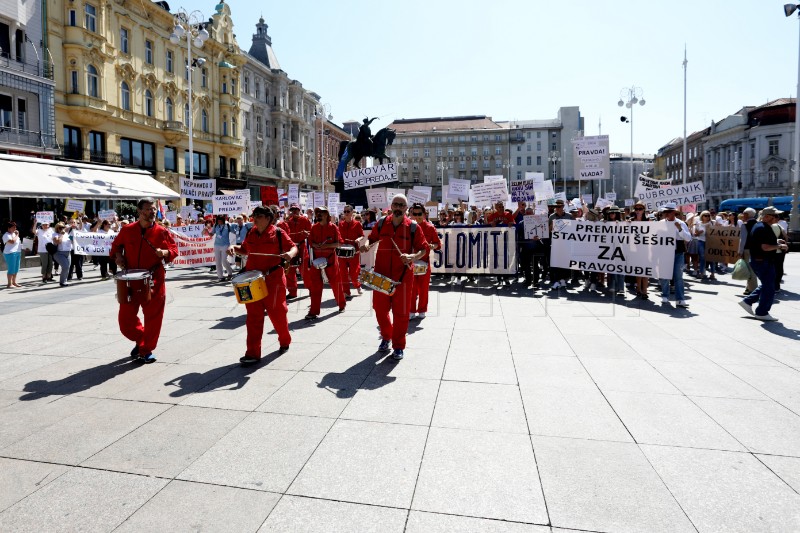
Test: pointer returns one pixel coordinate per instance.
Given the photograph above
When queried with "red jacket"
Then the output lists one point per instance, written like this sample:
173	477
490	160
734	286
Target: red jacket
265	243
503	218
297	226
140	255
387	258
350	231
327	234
432	236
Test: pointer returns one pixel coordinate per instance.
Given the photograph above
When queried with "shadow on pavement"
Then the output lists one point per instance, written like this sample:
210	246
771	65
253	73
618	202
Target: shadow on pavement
236	378
776	328
336	381
80	381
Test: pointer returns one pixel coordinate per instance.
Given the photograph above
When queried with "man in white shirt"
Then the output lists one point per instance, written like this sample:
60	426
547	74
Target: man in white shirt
44	236
682	238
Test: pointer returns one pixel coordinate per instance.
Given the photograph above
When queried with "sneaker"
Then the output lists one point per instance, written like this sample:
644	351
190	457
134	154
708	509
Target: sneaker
348	297
248	360
341	309
412	316
747	307
283	349
309	316
765	318
397	355
420	316
135	351
147	359
683	304
359	290
384	347
556	285
664	300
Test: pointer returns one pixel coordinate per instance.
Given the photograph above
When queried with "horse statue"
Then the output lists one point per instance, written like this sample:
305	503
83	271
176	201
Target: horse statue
354	151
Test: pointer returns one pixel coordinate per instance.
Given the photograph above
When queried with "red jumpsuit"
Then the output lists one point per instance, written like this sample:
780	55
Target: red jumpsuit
139	255
275	302
388	263
350	268
312	277
297	228
419	300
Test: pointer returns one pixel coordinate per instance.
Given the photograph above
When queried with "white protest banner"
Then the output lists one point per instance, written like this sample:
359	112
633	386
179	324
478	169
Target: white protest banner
358	208
293	196
684	194
172	217
75	206
106	214
592	158
188	211
540	208
193	251
318	198
340	206
587	199
333	210
487	179
427	191
303	197
535	176
369	176
44	217
390	193
93	243
489	192
629	202
415	197
458	189
377	198
27	244
631	248
433	211
611	196
229	204
536	226
245	193
601	203
252	205
522	190
333	198
560	196
473	250
647	183
191	230
543	190
202	189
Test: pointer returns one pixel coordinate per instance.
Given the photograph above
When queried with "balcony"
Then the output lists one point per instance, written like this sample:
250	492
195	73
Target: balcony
27	138
87	110
515	139
43	69
174	125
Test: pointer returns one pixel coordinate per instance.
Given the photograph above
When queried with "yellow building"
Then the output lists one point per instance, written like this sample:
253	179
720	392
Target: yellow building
122	89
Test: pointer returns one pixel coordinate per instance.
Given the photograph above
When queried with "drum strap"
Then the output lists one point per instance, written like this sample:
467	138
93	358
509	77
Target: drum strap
413	232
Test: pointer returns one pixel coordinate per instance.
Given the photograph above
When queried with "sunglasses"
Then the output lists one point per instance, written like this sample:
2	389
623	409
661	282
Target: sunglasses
417	214
395	204
348	210
638	208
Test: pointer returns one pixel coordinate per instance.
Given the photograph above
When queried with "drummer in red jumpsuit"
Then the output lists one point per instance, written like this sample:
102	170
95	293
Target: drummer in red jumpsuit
266	238
394	232
299	228
350	267
144	245
323	240
419	300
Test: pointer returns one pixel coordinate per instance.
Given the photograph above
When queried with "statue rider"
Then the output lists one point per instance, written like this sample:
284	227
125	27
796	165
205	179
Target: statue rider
364	138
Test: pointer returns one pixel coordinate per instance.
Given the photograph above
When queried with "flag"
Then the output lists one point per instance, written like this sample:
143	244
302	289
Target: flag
161	212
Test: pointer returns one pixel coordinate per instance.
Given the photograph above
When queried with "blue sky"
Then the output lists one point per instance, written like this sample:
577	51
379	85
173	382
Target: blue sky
515	59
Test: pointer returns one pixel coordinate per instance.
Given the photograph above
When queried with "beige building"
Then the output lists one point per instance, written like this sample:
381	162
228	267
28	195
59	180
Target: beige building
122	90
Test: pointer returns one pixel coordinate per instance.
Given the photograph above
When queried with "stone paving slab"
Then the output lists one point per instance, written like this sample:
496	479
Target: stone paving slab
513	411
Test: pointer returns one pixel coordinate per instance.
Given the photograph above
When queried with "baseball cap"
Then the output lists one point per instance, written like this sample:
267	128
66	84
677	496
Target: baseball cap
294	206
669	206
771	211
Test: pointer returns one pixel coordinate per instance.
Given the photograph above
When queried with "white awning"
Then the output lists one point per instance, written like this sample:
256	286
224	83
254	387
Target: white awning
31	177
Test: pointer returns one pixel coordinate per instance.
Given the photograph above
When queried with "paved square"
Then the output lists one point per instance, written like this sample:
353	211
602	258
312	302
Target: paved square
512	412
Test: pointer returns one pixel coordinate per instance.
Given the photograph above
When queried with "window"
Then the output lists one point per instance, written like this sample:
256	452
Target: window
772	174
170	159
204	121
519	148
204	78
427	152
170	109
234	128
148	52
72	143
123	41
148	103
233	86
247	84
258	89
498	164
92	85
224	126
528	147
519	174
554	135
519	161
186	115
73	75
73	18
22	115
438	151
773	147
247	121
138	153
462	151
450	152
539	160
170	62
473	151
90	18
485	150
97	146
200	163
415	152
224	85
474	165
538	134
485	164
528	161
538	145
462	165
498	150
125	92
553	147
6	111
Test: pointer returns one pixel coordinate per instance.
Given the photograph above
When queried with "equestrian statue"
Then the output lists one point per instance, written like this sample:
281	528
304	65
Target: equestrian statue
365	145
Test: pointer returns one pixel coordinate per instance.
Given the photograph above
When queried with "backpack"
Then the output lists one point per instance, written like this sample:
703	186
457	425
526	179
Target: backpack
413	228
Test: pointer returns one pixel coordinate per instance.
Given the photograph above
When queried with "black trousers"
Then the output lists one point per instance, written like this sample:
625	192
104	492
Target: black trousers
76	264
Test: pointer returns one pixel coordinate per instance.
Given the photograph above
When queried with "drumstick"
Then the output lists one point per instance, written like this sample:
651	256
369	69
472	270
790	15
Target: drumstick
401	253
255	253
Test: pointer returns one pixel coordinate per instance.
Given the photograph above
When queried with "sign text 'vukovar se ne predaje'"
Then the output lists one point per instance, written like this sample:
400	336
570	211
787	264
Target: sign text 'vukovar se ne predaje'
366	177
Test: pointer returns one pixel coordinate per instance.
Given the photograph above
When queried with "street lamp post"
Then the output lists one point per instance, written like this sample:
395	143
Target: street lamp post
794	220
555	158
440	166
323	114
629	97
190	26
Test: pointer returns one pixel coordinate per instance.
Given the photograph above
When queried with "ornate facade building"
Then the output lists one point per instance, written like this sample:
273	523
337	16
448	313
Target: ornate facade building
122	90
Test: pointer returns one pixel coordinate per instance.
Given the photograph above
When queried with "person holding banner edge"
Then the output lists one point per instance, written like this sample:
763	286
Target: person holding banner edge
419	297
144	245
399	245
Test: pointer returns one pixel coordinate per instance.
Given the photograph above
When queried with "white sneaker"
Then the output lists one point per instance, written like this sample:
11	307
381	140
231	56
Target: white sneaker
412	316
664	300
765	318
682	303
359	290
420	315
747	307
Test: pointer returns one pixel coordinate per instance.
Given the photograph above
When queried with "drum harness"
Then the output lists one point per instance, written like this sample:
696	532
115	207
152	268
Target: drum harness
413	231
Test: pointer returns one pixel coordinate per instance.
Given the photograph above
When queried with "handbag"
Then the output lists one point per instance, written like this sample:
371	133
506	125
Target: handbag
51	248
741	270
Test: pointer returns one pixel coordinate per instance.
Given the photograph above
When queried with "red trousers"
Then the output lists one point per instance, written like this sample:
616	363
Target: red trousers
291	274
145	336
349	270
399	304
274	305
312	279
419	299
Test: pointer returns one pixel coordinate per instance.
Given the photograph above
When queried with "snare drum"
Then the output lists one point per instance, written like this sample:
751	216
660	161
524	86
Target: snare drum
377	282
420	268
320	263
346	251
132	283
249	287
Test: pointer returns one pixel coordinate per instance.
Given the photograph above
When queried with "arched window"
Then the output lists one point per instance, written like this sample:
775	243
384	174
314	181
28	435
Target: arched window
204	121
92	82
772	175
170	110
126	96
233	128
224	126
148	103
